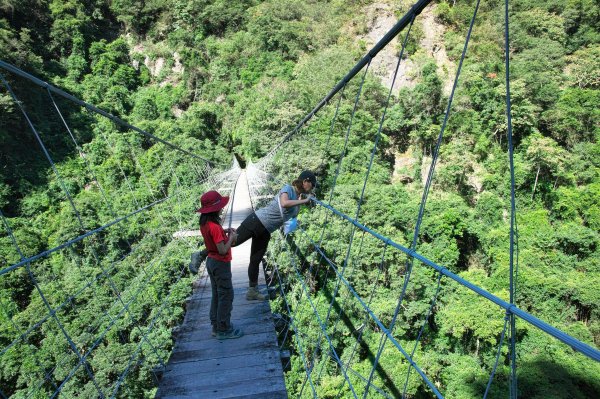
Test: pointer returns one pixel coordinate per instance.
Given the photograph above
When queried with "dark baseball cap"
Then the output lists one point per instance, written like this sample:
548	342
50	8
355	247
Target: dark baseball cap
308	175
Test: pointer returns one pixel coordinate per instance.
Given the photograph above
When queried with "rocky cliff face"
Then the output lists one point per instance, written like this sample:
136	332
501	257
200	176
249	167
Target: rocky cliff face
380	18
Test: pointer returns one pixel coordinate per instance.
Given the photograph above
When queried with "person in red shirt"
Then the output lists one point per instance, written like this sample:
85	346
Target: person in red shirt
218	265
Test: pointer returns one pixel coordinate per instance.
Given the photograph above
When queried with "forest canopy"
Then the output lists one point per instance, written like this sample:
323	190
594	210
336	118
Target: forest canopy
219	78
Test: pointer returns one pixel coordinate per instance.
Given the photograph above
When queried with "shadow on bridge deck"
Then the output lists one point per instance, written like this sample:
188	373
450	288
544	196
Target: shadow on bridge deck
200	366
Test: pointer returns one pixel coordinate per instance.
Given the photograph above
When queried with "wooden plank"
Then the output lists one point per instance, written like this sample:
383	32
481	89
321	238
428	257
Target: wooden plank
263	395
250	367
187	233
271	387
255	323
256	309
215	346
224	375
196	367
240	302
204	332
240	280
242	346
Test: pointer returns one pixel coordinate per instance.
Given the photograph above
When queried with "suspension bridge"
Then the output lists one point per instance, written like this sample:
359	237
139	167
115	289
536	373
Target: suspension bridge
142	276
249	367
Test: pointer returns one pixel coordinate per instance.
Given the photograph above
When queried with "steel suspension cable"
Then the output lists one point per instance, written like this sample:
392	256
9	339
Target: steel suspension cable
426	192
332	125
8	315
19	332
321	167
252	170
45	85
308	374
52	312
374	149
415	10
69	243
81	225
105	273
111	149
575	344
375	145
68	338
43	147
513	240
425	320
142	173
513	213
353	264
365	306
83	156
145	338
66	302
288	307
387	332
322	325
78	216
126	306
491	378
371	296
98	341
341	157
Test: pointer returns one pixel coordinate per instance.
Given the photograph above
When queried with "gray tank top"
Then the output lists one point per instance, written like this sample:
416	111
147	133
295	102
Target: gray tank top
270	215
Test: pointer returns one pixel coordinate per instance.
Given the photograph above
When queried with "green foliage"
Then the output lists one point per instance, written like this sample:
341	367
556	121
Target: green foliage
585	67
290	27
416	114
576	116
250	70
220	16
16	46
458	15
111	78
581	23
137	16
68	17
414	39
589	206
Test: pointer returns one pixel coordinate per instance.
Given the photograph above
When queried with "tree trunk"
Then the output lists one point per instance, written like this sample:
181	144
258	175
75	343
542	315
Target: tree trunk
537	174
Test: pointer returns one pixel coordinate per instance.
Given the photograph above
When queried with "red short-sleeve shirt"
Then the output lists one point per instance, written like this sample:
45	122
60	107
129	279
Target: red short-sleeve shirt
213	233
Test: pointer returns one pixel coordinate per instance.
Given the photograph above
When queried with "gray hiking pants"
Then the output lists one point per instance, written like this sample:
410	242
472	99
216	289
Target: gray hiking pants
222	293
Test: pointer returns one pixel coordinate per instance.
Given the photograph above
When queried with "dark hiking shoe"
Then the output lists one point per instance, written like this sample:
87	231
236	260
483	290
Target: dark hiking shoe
231	334
254	294
214	330
197	259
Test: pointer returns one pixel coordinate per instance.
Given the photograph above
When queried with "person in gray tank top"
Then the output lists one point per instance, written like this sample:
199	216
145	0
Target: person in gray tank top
260	224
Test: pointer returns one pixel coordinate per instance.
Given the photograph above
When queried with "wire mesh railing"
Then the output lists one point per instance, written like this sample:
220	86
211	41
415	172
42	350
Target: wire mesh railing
91	279
336	275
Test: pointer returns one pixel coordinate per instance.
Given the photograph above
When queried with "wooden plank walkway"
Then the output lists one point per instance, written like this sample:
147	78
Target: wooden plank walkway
201	366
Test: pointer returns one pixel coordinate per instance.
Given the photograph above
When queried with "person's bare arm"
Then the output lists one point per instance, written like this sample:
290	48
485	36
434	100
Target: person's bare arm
224	246
286	202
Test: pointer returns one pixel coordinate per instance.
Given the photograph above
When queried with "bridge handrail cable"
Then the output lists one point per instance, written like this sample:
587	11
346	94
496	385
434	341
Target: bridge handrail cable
575	344
105	273
117	120
415	10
